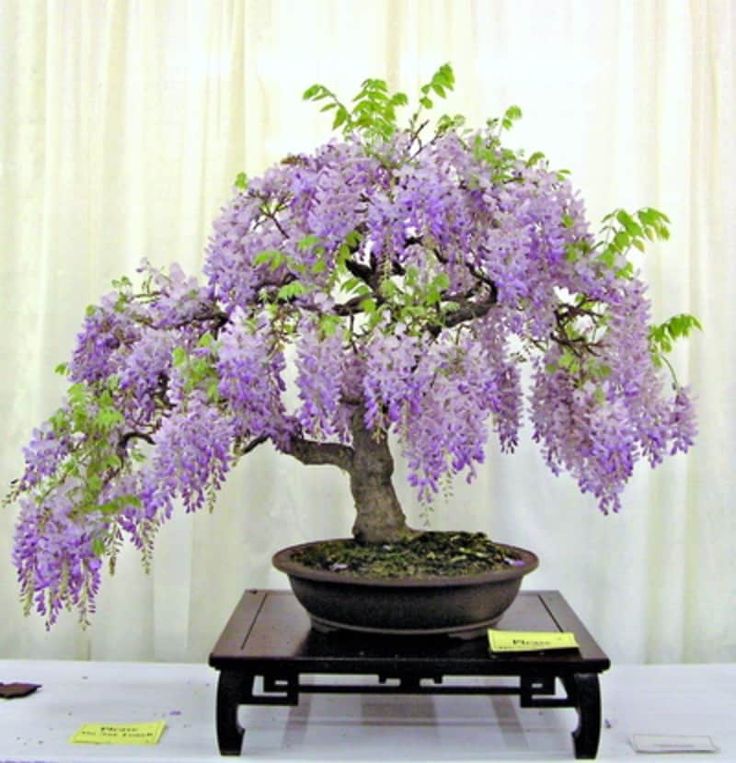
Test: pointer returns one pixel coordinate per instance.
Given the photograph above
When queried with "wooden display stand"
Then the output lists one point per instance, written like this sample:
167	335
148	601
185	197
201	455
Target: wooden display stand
269	637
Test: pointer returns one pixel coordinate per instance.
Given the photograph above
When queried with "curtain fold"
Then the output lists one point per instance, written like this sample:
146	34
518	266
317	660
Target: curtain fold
124	126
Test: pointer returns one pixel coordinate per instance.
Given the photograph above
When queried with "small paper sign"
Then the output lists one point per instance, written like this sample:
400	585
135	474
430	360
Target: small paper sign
530	641
119	733
659	743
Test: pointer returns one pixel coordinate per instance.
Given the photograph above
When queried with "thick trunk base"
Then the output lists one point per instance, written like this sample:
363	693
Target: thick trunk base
380	518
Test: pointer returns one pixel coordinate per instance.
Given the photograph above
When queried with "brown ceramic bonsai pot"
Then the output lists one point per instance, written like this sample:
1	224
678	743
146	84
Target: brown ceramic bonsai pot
460	606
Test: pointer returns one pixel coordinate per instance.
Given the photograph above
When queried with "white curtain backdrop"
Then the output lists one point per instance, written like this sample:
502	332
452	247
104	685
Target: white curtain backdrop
124	124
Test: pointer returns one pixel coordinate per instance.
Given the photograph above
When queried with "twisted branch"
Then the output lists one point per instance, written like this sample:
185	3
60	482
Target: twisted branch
310	452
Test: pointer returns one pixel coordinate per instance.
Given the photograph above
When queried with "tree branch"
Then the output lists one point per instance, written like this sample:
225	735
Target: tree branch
122	446
351	307
467	311
470	311
312	453
359	270
250	445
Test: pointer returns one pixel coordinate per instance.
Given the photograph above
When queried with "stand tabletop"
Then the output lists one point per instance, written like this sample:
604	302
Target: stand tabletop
271	625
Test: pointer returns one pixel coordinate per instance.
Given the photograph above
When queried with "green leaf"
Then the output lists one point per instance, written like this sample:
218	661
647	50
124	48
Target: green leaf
328	324
291	290
241	181
510	116
661	336
355	284
601	371
441	281
213	391
513	112
627	271
632	227
654	223
206	340
62	369
111	461
341	116
311	92
107	418
77	393
569	362
353	238
445	76
308	242
607	257
388	289
426	102
271	257
179	356
621	241
59	421
122	283
446	122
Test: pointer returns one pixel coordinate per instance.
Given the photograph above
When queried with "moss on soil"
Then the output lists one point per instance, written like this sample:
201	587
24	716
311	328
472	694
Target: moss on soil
427	555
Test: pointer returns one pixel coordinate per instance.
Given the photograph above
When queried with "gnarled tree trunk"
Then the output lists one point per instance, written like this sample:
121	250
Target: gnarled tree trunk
369	464
380	518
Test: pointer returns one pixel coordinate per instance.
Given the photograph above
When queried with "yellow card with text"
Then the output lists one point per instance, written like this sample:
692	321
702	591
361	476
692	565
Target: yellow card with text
530	641
119	733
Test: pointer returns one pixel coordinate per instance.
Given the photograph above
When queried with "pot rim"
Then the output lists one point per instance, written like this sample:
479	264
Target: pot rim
282	561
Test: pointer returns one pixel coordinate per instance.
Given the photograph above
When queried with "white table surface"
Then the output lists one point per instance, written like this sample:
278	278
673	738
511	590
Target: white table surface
654	699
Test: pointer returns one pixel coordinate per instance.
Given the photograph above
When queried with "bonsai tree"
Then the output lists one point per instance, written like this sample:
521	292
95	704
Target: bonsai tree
407	274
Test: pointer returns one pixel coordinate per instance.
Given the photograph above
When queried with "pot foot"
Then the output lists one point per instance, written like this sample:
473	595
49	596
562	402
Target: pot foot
462	633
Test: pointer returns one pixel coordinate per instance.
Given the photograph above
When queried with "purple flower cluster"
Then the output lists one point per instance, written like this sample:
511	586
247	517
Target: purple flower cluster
143	369
447	426
107	332
43	455
249	368
599	429
394	384
192	456
52	551
319	366
179	300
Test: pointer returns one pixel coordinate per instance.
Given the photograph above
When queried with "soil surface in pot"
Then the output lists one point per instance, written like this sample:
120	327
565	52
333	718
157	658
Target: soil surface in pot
427	555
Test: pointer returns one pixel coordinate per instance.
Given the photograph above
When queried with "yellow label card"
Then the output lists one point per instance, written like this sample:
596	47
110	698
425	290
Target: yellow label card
119	733
529	641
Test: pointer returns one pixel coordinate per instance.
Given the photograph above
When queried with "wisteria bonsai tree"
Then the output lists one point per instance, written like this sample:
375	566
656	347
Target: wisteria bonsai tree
407	273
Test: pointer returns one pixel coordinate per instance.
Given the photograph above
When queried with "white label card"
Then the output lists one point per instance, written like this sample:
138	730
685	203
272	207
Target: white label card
660	743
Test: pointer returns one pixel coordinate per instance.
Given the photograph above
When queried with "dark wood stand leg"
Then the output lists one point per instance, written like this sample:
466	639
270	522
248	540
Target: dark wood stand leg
232	689
584	690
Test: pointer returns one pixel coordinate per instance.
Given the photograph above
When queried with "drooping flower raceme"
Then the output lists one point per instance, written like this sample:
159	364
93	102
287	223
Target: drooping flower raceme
409	278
